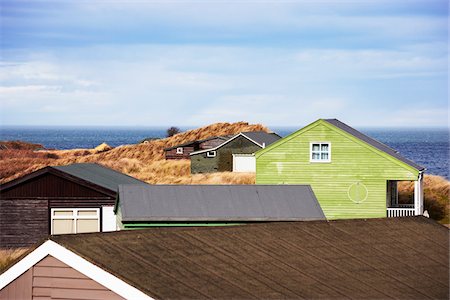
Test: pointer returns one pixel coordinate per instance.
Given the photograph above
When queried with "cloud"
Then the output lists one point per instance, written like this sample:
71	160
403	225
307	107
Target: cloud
196	85
196	62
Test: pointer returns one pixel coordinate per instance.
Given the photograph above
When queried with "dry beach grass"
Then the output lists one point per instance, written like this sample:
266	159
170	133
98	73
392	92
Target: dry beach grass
143	161
146	162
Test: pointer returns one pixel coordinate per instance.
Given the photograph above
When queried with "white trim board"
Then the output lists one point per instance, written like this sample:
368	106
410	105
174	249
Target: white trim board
76	262
226	142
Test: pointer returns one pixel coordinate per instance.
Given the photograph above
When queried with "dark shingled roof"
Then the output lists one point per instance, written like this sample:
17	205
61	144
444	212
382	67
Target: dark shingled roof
218	203
373	143
99	175
262	137
391	258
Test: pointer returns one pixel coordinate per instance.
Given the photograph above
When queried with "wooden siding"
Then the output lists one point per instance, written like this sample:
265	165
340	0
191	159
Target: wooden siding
20	288
25	208
223	162
23	222
49	185
288	162
172	153
53	279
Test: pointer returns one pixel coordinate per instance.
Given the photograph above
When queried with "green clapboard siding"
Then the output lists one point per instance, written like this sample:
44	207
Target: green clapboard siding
356	168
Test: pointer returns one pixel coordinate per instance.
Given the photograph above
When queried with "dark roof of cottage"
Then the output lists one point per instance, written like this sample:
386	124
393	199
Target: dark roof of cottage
99	175
262	137
388	258
373	143
223	137
218	203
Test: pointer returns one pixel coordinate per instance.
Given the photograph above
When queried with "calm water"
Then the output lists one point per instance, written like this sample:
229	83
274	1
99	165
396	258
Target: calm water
427	147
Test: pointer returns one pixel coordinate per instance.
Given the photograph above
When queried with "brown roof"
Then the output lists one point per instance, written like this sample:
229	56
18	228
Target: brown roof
378	258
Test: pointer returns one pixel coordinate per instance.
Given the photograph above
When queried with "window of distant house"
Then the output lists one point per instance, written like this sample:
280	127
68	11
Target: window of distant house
211	154
76	220
320	152
179	150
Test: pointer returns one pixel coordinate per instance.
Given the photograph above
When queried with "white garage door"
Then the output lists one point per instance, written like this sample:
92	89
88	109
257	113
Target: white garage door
244	163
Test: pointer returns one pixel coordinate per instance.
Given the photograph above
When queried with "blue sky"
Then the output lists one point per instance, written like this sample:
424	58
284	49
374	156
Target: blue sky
188	63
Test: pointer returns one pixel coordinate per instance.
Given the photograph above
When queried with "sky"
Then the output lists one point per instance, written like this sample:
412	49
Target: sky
369	63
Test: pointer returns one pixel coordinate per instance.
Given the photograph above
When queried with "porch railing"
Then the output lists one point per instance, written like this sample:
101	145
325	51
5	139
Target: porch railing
395	212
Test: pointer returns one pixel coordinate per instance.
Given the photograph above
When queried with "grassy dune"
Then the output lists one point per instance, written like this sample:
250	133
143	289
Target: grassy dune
143	161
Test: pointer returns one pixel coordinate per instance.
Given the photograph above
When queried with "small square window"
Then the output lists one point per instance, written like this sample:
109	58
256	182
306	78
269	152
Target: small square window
211	154
320	152
180	150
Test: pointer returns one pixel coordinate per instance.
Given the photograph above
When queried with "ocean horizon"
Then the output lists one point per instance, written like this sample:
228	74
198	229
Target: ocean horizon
428	147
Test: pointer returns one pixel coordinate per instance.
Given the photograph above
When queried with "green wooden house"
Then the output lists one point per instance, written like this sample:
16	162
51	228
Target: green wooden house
351	174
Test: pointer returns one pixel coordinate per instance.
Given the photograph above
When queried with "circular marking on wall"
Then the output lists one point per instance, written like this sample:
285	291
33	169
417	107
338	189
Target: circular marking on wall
357	192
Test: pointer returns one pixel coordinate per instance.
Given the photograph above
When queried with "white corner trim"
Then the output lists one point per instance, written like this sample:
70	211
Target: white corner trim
217	147
253	141
226	142
75	261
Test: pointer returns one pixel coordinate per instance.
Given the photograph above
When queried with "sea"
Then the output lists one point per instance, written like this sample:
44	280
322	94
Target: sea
427	147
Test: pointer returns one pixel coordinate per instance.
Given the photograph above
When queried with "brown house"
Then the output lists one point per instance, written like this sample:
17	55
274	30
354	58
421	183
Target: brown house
183	151
390	258
57	200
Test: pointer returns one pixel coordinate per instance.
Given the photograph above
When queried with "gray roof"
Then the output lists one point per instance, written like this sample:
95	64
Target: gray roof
373	143
262	137
223	137
218	203
99	175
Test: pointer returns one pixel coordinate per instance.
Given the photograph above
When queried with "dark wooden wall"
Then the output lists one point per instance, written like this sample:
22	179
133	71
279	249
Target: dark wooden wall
196	146
49	186
172	153
23	222
25	208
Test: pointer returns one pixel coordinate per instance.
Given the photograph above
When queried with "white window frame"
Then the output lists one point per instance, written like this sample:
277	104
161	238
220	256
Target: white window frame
180	150
320	152
211	154
74	217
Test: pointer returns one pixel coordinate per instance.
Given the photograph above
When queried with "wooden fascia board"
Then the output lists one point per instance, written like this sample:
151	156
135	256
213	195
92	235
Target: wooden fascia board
372	148
287	138
253	141
25	178
83	182
53	171
226	142
342	132
217	147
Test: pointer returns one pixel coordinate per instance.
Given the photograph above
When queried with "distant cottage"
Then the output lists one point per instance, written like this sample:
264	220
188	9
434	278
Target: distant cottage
233	155
57	200
351	174
183	151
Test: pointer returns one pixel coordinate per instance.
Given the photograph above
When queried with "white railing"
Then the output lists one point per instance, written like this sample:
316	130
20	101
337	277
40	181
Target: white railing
395	212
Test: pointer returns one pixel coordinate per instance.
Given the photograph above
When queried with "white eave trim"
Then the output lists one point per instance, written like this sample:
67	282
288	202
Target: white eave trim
226	142
76	262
